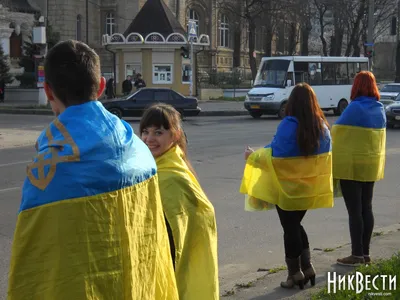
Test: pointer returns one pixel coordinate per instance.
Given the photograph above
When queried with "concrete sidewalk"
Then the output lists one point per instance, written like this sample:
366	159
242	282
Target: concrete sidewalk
265	286
208	108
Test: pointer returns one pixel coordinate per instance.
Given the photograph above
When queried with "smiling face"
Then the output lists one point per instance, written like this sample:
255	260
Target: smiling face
158	139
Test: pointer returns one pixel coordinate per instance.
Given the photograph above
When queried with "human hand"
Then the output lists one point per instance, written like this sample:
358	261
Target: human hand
247	152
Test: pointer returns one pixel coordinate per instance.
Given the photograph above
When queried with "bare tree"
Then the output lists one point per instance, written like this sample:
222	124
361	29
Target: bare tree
269	20
250	12
340	19
305	12
322	7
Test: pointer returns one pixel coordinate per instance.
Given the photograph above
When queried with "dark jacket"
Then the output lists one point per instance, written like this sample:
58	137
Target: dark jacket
140	84
127	86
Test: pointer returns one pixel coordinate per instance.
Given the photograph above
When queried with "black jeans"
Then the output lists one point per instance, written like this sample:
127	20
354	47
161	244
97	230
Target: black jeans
358	198
171	241
295	237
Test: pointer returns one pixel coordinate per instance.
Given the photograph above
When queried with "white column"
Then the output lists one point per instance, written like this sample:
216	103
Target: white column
5	34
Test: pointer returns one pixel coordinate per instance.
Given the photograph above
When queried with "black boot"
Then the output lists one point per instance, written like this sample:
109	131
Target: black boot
307	267
295	275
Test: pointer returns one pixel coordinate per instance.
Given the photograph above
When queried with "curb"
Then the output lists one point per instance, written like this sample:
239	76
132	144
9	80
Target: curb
23	111
223	113
47	112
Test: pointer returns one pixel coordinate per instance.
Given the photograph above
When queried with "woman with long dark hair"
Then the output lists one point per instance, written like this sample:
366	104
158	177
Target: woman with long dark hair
359	144
294	174
190	216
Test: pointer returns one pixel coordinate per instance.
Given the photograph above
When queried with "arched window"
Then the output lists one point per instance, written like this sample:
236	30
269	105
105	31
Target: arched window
78	27
194	16
110	23
224	32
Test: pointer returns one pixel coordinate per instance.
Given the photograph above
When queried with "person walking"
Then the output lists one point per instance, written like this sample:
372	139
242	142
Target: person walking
110	88
293	174
190	216
358	149
127	85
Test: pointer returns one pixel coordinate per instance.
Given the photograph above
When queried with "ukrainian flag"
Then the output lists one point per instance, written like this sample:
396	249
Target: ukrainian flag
191	217
359	141
91	223
279	175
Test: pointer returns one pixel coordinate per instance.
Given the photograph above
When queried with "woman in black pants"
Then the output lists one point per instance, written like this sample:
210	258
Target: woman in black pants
358	149
294	173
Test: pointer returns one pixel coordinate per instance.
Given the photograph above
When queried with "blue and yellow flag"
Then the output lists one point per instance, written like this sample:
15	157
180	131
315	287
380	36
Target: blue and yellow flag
359	141
279	175
191	217
91	224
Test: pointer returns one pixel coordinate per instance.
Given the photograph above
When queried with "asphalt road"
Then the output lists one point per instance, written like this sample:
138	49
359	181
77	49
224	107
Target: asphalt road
247	241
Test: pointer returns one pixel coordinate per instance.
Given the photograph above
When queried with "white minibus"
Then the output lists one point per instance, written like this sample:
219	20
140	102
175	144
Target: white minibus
330	77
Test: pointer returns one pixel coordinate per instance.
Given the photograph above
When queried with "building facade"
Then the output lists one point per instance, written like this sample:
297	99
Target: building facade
74	20
16	22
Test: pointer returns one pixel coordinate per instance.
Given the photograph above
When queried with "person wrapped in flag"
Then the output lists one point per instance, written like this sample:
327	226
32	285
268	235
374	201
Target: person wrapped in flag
189	215
293	174
358	149
90	223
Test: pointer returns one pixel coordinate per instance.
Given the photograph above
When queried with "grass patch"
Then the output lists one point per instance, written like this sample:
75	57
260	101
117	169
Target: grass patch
329	250
377	233
245	285
384	267
237	99
228	293
277	269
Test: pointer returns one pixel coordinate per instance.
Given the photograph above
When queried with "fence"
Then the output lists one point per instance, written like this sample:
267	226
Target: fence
211	78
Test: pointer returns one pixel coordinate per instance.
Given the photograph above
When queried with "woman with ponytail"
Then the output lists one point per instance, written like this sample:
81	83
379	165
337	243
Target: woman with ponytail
189	215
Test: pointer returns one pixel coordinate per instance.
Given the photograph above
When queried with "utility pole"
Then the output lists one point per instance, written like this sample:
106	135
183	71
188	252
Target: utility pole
397	79
370	45
192	35
87	22
191	67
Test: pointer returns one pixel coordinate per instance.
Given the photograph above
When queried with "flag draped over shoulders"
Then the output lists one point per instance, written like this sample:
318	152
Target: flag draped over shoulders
279	175
359	141
191	217
90	224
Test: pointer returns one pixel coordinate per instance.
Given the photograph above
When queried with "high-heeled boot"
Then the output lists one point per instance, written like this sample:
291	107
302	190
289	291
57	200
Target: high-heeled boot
295	275
306	267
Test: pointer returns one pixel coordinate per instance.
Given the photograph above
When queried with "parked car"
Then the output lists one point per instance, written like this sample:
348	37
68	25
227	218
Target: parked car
135	104
393	114
389	93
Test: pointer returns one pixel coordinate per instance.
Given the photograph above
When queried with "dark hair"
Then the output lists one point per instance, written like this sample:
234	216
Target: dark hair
167	117
365	85
72	71
303	105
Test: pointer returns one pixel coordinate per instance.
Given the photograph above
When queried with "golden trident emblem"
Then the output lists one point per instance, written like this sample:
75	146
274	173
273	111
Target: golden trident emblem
43	180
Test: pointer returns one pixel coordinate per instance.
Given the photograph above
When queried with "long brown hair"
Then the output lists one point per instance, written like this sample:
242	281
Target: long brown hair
303	105
167	117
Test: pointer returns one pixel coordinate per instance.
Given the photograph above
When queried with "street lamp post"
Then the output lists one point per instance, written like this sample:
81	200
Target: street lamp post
370	45
87	22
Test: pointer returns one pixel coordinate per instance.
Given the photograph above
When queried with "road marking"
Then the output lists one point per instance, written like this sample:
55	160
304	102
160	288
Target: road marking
15	163
10	189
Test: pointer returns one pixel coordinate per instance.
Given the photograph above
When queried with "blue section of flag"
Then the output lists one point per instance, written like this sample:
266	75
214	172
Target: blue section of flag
110	157
284	143
364	112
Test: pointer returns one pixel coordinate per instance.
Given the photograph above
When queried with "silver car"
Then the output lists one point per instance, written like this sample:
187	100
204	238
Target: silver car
389	93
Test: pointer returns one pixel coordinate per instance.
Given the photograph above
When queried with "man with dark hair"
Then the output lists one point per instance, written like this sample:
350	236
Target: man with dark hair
139	83
127	85
90	223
